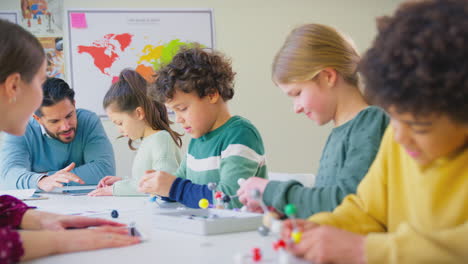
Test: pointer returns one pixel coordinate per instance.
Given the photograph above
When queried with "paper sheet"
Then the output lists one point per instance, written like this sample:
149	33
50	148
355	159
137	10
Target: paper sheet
20	194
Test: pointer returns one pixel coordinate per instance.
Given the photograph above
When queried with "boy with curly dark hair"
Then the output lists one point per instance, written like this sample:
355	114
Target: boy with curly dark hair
196	85
412	205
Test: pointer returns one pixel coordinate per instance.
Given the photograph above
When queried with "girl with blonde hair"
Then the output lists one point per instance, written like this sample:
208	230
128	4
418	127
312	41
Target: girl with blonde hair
317	68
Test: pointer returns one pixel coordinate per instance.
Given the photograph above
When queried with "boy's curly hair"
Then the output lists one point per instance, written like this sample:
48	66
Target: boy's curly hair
194	69
419	61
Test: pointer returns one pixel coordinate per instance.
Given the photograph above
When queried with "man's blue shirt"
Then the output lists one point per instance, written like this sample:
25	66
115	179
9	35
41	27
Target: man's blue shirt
25	159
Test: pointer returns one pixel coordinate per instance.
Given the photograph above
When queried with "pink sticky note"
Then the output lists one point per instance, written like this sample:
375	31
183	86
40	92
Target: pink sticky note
78	20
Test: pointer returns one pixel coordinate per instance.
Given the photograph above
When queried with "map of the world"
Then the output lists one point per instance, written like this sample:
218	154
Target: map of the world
106	42
107	50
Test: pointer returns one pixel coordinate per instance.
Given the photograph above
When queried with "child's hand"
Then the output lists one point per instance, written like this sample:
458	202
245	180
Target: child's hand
246	188
108	181
37	220
104	191
156	182
301	224
255	207
70	221
326	244
90	239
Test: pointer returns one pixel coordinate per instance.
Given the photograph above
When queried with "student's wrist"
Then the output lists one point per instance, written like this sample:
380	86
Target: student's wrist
361	258
54	242
57	241
169	181
40	243
31	220
270	192
39	220
174	188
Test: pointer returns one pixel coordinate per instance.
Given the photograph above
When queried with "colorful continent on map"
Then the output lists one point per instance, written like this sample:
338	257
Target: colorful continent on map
156	56
111	47
105	51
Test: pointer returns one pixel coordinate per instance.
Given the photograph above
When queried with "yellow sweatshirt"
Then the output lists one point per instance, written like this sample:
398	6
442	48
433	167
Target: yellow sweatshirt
410	214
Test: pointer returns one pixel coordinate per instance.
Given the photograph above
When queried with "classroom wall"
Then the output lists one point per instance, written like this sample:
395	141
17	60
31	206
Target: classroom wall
251	32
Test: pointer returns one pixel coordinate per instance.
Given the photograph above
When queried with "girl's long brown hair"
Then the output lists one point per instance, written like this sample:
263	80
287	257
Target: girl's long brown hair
128	93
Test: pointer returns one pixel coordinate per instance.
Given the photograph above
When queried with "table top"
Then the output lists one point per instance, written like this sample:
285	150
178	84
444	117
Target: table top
159	245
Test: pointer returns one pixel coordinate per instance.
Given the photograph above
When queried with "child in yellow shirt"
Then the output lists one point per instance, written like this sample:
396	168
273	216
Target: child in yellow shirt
412	205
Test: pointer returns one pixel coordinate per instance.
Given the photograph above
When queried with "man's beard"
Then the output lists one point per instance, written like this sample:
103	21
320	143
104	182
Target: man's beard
57	135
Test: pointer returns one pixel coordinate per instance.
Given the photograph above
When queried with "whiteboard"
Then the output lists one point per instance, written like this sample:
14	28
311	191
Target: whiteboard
103	42
11	16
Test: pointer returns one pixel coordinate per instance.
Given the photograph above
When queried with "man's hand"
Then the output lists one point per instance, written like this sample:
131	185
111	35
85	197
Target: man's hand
57	179
156	182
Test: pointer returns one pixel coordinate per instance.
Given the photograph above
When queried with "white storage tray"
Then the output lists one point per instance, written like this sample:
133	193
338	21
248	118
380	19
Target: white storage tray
207	221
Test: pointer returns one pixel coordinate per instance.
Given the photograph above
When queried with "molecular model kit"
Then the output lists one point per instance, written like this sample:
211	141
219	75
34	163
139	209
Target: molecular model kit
272	226
210	219
217	218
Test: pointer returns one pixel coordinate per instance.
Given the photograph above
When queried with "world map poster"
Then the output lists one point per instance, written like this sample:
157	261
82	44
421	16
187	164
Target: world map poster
103	43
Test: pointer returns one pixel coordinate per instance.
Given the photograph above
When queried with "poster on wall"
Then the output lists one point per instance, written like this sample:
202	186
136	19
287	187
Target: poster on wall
104	42
53	47
42	17
11	16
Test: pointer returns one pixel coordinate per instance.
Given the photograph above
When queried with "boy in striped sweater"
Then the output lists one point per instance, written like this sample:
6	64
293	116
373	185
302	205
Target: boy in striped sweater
196	85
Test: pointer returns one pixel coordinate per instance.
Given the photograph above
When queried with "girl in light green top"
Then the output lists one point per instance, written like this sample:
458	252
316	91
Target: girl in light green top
139	117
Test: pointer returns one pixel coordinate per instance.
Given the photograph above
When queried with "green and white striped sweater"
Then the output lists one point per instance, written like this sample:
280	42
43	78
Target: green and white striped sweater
232	151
